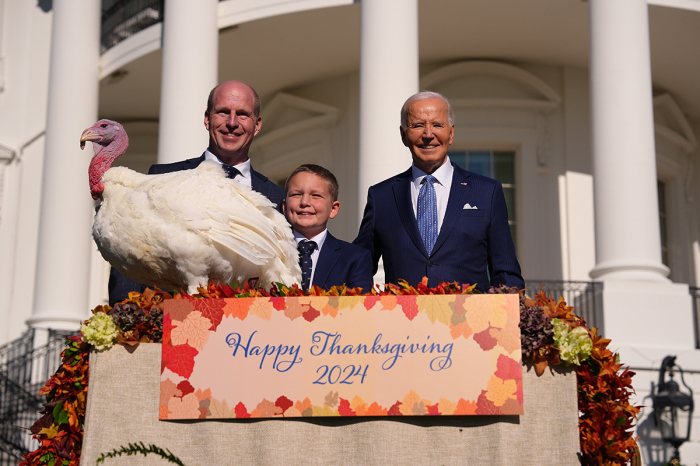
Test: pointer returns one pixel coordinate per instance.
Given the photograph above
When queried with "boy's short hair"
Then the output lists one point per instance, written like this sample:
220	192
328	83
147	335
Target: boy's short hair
318	171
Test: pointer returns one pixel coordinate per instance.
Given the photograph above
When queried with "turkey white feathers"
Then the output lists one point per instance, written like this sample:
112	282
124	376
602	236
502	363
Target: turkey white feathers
186	227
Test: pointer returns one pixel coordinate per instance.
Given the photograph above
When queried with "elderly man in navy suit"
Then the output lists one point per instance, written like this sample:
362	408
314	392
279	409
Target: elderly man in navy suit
232	119
435	219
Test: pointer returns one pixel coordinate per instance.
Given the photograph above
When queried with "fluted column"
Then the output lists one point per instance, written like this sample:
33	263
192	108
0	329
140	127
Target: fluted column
189	72
388	76
628	241
63	255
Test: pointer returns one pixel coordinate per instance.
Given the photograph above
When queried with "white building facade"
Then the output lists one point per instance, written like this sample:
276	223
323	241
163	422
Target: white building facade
587	112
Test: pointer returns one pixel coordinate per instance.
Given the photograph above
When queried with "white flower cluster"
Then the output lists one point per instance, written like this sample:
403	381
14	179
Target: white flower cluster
574	345
100	331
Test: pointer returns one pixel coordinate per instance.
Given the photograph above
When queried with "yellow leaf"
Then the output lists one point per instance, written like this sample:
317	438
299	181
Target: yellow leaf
325	411
220	409
437	308
408	403
50	432
478	313
349	302
447	407
498	315
498	391
358	405
262	309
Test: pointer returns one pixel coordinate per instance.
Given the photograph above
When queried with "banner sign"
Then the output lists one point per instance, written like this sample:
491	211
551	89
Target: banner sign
341	356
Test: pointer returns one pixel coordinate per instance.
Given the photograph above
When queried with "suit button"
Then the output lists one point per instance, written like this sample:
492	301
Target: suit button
431	263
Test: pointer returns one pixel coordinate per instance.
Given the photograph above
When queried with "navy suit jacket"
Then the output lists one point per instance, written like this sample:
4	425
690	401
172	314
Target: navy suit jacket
342	263
119	286
470	240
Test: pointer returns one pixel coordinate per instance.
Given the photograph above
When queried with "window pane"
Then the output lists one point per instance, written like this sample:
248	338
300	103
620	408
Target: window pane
459	158
510	202
503	167
480	162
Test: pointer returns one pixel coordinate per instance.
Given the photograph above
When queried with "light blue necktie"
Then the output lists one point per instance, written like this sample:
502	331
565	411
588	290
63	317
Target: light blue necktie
427	213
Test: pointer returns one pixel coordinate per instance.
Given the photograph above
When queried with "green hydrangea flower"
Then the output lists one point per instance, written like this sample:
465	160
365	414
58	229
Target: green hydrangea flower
574	345
100	331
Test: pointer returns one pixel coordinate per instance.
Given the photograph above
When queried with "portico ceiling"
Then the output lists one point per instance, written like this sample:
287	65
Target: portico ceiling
286	51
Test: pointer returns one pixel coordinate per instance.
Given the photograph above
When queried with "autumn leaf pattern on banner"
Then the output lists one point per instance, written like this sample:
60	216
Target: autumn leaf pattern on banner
188	323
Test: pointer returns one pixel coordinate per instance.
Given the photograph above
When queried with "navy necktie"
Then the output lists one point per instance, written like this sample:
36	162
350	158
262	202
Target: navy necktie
427	213
231	172
306	248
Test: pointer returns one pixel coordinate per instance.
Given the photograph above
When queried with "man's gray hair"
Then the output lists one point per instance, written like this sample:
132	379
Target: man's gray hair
425	95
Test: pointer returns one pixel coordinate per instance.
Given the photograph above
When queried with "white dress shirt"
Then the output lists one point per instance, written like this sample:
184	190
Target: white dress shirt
243	167
442	188
319	239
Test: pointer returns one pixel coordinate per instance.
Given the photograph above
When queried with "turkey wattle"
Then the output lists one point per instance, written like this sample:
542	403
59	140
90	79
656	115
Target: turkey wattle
184	228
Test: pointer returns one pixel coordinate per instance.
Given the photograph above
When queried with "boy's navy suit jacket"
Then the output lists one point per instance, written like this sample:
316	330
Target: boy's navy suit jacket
343	263
474	236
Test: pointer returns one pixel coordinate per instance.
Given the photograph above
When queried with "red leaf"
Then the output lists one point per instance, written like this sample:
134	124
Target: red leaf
485	406
394	410
284	403
311	314
228	291
203	412
212	309
279	303
185	387
179	359
167	328
344	408
241	410
485	340
508	369
409	305
433	410
370	301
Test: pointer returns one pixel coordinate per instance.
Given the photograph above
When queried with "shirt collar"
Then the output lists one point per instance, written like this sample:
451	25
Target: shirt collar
319	239
243	167
442	174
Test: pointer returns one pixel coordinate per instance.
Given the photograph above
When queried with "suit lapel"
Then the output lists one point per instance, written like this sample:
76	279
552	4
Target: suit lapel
402	195
459	192
257	182
327	259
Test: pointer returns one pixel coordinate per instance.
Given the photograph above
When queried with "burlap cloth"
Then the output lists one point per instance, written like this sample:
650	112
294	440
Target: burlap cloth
123	403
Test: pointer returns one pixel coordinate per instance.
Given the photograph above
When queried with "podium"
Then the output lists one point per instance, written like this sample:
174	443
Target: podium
123	407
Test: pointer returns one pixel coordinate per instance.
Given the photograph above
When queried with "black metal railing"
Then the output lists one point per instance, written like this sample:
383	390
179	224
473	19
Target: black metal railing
127	17
583	296
24	369
695	295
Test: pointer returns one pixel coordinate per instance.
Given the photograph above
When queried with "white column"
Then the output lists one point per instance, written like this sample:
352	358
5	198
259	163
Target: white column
189	72
388	76
628	244
644	314
63	255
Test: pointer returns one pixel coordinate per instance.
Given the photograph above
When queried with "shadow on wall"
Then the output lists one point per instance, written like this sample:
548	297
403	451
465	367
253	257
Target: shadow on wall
655	452
45	5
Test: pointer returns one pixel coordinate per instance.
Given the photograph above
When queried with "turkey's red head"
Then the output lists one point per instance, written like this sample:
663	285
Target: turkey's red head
109	141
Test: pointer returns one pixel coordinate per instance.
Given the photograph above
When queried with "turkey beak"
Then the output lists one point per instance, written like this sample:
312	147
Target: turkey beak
87	135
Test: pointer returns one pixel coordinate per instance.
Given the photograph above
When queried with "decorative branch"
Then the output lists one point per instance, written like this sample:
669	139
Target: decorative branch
136	448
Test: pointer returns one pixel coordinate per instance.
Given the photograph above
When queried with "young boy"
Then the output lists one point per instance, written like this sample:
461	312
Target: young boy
311	198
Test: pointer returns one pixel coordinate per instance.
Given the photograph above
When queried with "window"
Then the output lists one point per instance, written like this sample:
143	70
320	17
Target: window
661	189
499	165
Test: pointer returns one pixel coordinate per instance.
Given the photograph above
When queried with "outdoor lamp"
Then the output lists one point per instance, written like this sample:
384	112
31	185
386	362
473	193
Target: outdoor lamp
673	409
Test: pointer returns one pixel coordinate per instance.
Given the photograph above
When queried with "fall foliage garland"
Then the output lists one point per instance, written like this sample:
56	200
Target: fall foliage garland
604	387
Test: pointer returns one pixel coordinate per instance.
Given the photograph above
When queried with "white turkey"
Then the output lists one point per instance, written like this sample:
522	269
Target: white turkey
187	227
